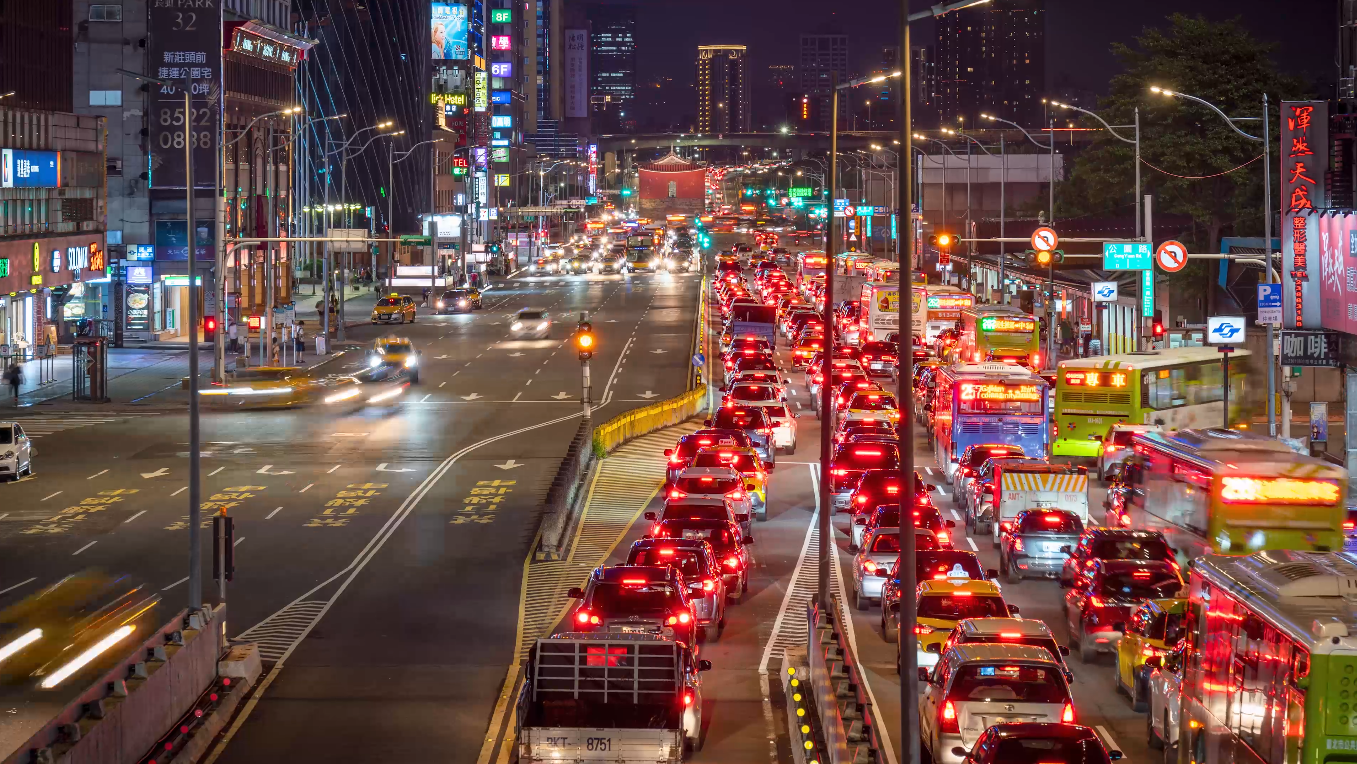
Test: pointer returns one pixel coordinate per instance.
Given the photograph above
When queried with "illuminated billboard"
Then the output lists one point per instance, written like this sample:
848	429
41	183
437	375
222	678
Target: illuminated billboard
20	168
448	32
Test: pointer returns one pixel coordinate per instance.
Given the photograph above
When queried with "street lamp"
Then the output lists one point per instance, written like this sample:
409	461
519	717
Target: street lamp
7	95
1136	141
1267	229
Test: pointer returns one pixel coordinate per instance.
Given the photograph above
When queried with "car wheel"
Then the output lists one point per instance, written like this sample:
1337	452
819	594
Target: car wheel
1086	654
925	756
852	548
744	584
711	634
859	601
414	378
889	631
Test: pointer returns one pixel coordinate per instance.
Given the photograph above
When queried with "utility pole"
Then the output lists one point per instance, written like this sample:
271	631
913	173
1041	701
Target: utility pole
826	495
195	552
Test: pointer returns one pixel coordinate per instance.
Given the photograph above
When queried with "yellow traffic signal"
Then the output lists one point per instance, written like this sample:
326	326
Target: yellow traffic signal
944	240
1043	257
584	340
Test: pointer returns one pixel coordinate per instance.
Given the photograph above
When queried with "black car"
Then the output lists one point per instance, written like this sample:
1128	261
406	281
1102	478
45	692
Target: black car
458	300
636	599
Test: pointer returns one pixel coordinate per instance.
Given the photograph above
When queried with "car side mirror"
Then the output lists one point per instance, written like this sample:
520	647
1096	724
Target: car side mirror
575	593
1155	661
1014	611
1065	583
931	488
859	520
1065	651
992	573
747	540
704	665
1066	549
951	523
669	452
742	518
706	422
1114	755
925	675
962	752
933	647
650	516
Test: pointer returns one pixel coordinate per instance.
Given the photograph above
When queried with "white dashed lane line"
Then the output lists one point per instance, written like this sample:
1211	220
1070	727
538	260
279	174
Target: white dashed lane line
971	541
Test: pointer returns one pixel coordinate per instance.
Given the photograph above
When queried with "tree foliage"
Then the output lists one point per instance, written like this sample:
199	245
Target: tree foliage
1219	62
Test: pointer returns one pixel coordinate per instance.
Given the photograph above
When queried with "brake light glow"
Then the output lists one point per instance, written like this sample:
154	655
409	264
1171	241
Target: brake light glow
869	567
732	562
687	698
637	581
675	493
1068	715
736	494
838	472
949	718
1095	602
867	452
708	585
963	594
1010	635
1141	574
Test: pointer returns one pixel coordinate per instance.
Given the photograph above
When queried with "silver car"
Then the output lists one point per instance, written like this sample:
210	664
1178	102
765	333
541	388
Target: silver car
872	565
1039	544
974	687
1166	682
531	322
717	483
16	451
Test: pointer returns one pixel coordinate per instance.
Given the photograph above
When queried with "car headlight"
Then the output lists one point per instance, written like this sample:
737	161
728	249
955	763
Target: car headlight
8	455
411	361
516	325
654	263
542	325
461	303
440	304
374	362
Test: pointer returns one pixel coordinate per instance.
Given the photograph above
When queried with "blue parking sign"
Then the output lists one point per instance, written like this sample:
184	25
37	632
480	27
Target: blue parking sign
1269	303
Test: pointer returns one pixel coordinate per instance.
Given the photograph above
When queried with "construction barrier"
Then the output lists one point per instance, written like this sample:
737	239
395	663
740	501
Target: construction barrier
647	419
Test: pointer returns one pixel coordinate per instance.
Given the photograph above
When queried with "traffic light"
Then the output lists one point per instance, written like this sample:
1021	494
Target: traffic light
209	328
585	340
495	248
943	242
1045	258
626	192
1042	258
1158	328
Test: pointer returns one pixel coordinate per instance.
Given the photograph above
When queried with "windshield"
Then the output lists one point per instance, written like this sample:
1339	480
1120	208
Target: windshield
1061	523
754	392
872	402
777	412
1050	750
6	435
706	484
940	565
396	347
878	349
1021	684
1131	549
531	315
688	561
1045	643
988	398
682	512
1140	585
951	607
632	599
455	293
1121	438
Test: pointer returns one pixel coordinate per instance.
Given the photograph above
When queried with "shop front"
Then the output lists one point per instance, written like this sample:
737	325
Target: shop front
47	286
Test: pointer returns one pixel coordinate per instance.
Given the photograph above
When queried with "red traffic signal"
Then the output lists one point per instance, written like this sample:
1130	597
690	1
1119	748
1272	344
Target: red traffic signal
1158	329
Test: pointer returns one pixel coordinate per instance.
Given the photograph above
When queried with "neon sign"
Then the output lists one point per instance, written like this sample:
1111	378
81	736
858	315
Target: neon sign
1096	378
990	392
996	324
950	302
1247	490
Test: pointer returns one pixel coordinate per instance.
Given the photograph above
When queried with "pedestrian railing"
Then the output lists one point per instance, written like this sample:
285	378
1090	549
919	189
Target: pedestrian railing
620	429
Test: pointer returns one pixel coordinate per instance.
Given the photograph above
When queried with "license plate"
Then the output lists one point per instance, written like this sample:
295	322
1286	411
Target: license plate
635	630
877	365
1053	546
1043	504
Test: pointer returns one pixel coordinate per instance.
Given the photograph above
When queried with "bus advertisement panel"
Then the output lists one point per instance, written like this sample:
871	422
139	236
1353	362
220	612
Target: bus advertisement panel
810	264
1229	492
998	333
944	307
988	403
1176	389
882	302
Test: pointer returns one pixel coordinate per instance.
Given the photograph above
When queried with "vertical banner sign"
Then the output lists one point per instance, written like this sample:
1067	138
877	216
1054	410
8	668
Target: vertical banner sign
448	32
185	46
593	168
576	73
481	99
1304	154
1147	294
1338	272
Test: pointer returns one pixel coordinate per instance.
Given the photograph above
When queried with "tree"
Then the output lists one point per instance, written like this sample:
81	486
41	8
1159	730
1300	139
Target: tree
1216	61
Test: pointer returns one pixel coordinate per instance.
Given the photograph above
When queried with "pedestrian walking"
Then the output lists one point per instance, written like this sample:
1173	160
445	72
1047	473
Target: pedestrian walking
15	377
232	340
300	339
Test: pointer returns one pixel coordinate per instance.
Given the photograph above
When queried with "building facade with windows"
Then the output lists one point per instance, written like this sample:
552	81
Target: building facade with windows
612	66
723	102
823	55
991	59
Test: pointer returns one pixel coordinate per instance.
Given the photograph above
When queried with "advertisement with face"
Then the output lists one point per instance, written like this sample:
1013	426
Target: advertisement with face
448	32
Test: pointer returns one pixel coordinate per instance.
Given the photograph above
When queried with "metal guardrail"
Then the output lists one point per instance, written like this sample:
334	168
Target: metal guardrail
620	429
847	716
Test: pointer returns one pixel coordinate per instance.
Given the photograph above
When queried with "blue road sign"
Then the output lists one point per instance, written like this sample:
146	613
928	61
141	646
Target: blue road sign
699	360
1269	303
1221	330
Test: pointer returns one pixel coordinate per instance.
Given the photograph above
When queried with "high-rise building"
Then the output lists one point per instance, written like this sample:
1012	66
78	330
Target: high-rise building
612	65
35	54
723	102
782	77
991	58
821	56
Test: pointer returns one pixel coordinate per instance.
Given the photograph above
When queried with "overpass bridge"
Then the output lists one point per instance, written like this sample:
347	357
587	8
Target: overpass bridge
795	143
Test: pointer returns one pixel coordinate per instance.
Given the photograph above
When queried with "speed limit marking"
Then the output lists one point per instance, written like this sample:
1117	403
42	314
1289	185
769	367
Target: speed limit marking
1171	256
1044	238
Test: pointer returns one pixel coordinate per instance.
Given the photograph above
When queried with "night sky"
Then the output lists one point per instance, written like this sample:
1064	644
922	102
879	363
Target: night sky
1079	34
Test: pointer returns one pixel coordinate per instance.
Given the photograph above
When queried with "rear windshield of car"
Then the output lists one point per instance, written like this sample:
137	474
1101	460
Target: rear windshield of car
688	562
979	455
728	265
681	512
758	314
776	412
1122	438
1131	549
865	456
877	348
1045	643
873	402
1050	750
1139	585
736	460
949	607
627	599
887	542
531	315
716	534
1013	684
387	302
859	427
707	484
1051	522
944	564
737	419
754	392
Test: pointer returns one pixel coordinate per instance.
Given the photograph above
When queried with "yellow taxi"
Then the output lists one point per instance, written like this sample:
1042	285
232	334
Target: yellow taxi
941	603
393	352
1155	629
745	461
873	404
272	387
394	307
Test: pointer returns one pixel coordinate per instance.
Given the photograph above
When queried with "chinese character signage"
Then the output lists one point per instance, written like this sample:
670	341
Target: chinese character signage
1311	348
140	252
171	243
501	42
481	100
252	44
593	167
1337	264
479	153
1304	154
184	47
138	303
29	169
502	120
576	73
501	69
1126	256
499	155
799	192
448	32
1301	240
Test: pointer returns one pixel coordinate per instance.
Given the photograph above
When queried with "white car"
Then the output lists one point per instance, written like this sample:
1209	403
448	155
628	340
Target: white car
717	483
974	687
16	451
784	426
754	394
872	564
531	322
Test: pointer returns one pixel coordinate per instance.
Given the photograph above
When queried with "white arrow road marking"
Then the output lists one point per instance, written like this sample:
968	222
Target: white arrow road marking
511	355
439	357
648	395
657	351
561	396
471	397
383	468
157	473
266	470
509	465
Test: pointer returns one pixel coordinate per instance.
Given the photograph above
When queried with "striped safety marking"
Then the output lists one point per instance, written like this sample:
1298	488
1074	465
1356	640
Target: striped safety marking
1045	482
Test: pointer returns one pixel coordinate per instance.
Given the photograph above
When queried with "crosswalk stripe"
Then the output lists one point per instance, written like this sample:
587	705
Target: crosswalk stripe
38	426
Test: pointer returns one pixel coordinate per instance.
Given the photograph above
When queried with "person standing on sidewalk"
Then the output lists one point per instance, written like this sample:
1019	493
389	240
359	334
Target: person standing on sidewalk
300	339
15	376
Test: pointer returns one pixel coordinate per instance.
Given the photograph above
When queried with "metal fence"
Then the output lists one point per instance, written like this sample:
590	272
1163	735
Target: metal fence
647	419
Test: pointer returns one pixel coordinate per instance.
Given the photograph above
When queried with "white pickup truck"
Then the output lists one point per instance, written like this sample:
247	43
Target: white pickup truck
619	698
1030	484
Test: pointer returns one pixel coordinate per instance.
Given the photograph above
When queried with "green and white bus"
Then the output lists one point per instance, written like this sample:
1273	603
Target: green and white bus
1177	389
1269	665
998	333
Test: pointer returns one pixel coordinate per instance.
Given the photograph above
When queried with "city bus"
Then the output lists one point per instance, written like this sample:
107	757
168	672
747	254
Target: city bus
808	264
881	306
1269	661
987	403
1232	492
998	333
944	305
1176	389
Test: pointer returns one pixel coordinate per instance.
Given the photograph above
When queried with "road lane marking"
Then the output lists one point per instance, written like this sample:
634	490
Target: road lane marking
45	498
83	548
421	400
1107	737
971	541
955	516
941	491
929	470
97	474
529	382
332	469
516	397
181	490
270	515
176	583
237	541
133	517
8	589
214	472
307	488
440	384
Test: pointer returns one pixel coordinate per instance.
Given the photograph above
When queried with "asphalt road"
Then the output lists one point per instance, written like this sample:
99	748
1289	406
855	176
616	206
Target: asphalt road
420	515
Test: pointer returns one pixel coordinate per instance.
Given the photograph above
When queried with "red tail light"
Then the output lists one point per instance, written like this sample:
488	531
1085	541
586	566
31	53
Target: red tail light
732	562
736	494
949	719
1096	602
869	568
687	698
675	459
943	538
921	630
1068	715
675	493
1349	525
1018	545
708	585
838	472
860	500
584	617
1006	526
1109	449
